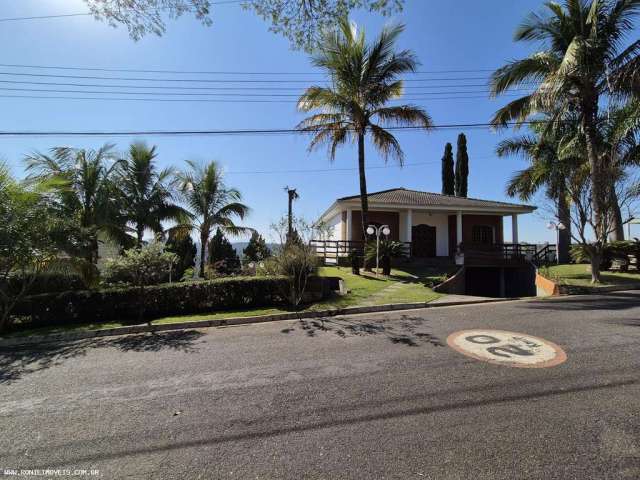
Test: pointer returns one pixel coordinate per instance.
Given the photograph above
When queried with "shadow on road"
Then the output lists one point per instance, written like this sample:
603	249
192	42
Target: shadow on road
354	419
403	331
609	301
17	362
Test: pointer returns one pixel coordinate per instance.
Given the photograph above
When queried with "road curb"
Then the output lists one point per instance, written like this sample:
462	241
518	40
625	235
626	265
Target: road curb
55	337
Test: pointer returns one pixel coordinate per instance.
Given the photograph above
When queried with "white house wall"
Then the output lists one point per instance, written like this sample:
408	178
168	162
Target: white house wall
438	220
335	227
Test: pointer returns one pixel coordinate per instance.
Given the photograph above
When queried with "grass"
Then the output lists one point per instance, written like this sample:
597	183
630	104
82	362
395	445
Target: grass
579	275
409	285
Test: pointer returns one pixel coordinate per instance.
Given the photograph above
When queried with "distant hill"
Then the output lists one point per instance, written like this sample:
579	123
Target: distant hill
240	246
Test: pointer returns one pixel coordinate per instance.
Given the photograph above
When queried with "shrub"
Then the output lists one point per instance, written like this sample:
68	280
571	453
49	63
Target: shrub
295	262
122	304
388	249
48	282
147	265
611	251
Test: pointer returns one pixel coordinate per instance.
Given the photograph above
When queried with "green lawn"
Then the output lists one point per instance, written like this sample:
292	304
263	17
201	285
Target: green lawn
409	285
580	275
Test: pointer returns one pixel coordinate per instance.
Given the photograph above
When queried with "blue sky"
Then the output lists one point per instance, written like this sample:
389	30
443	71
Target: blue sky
467	35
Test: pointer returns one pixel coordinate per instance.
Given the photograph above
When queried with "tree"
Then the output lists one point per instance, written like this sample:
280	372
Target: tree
298	20
146	194
546	170
185	249
257	249
141	266
462	166
364	79
212	204
293	195
222	256
81	181
26	246
448	177
582	61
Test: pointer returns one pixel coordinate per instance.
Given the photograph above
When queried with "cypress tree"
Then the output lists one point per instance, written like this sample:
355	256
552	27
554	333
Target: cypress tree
256	249
462	167
222	255
448	178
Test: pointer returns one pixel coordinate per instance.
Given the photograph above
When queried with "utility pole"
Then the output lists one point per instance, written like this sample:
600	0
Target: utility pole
293	195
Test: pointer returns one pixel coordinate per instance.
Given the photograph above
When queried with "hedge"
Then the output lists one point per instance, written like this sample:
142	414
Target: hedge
123	304
47	282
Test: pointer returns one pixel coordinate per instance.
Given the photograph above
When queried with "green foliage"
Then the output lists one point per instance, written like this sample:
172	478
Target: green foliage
462	167
147	265
222	256
185	249
612	250
145	195
448	177
26	246
364	78
388	249
257	249
297	263
212	204
123	304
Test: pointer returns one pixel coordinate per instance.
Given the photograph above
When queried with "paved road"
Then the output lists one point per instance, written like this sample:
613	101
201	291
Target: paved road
366	397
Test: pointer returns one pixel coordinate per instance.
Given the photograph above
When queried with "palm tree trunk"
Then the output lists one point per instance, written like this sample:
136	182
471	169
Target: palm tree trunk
139	234
564	217
364	201
617	227
589	116
204	237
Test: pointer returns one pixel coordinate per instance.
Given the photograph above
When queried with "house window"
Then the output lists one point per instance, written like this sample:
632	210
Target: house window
482	234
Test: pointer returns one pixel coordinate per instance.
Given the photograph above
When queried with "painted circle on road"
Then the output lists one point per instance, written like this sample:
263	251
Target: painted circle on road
507	348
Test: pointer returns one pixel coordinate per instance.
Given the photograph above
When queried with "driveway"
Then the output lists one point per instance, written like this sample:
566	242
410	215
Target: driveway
364	397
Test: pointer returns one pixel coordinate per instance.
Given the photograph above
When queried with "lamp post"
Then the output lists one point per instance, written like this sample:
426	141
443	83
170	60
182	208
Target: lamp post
382	229
557	227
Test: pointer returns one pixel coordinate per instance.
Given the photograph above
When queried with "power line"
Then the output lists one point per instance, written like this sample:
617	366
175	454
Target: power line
210	80
239	132
206	72
229	94
179	87
209	100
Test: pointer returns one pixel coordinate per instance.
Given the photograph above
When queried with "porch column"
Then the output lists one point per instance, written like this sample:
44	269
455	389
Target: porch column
514	228
409	224
458	228
349	224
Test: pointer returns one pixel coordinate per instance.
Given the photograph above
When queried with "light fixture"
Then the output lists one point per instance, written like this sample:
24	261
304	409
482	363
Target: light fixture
371	230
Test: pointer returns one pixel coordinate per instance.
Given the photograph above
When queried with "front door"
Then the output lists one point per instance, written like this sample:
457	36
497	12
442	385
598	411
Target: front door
423	241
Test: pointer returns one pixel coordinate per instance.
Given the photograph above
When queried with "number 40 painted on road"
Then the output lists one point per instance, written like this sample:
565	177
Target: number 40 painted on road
507	348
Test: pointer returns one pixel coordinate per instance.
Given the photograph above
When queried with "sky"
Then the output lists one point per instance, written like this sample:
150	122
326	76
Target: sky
468	35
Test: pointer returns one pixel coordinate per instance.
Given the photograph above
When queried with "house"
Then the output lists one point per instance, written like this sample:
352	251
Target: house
429	224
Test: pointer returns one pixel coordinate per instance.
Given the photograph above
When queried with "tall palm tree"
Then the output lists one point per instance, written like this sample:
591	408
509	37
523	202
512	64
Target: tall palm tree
82	181
212	204
364	79
146	194
581	62
546	170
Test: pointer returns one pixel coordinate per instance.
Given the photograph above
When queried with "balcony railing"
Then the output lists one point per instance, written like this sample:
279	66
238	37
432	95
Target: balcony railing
506	253
331	250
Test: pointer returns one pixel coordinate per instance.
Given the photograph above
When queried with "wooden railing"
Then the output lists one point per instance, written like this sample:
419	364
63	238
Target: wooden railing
498	254
331	250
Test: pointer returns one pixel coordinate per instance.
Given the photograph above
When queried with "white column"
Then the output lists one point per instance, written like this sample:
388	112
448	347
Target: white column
409	224
514	228
458	228
349	224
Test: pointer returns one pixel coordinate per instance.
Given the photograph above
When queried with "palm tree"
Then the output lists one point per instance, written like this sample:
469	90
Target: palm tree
581	62
81	179
364	79
145	194
212	204
546	170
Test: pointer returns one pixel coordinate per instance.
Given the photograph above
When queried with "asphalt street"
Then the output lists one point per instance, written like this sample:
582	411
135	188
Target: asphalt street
375	396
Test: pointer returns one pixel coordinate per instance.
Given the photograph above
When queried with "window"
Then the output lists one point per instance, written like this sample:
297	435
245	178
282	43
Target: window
482	234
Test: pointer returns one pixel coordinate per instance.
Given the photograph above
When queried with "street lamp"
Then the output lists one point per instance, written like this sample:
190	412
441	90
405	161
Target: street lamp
557	227
382	229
